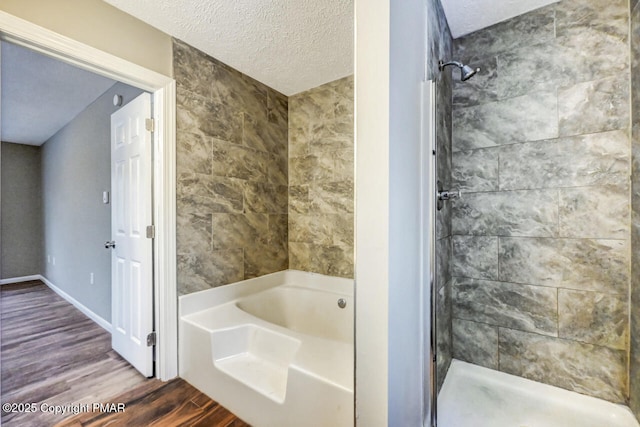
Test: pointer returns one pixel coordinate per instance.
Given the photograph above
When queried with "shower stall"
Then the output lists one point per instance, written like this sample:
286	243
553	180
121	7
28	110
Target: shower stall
536	236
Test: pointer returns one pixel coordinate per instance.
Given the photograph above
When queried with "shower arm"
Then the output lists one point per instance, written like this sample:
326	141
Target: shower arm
443	64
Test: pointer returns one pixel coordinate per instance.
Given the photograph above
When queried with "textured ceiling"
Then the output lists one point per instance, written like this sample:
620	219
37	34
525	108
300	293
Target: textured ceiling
467	16
291	46
40	95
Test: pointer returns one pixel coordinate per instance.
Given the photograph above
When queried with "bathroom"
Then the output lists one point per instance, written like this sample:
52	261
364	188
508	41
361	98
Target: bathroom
535	261
535	268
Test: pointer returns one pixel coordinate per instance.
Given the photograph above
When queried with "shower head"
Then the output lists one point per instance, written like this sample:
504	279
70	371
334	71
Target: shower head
466	72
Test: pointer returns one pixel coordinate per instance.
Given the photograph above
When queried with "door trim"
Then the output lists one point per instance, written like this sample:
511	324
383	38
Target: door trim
163	88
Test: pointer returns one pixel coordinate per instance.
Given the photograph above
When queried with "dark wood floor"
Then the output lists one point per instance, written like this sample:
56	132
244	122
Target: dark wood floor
52	353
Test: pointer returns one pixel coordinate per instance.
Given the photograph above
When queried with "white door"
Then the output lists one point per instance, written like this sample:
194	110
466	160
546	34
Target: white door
131	213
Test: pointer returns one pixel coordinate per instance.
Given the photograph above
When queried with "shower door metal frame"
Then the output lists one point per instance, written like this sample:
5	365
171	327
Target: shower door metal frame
428	245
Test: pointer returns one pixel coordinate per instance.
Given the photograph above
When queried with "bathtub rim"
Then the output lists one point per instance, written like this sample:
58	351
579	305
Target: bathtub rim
205	299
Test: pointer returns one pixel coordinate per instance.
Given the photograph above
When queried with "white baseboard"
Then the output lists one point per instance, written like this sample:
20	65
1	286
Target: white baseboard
77	304
20	279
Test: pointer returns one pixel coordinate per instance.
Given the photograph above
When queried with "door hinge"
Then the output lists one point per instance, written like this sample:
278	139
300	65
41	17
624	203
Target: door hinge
151	231
150	125
151	339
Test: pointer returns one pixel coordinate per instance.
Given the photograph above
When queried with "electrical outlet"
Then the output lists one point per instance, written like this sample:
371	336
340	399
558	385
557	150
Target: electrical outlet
91	278
53	260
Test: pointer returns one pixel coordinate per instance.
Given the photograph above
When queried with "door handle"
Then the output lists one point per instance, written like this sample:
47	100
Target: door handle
449	195
110	244
442	195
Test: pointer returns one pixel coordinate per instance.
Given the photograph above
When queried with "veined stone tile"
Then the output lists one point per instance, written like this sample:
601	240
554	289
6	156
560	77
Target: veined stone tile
515	306
330	260
277	108
595	212
237	231
594	159
235	91
337	135
332	197
232	190
310	229
591	55
443	221
197	272
192	69
443	156
634	366
443	261
607	16
261	259
278	229
194	153
322	229
443	333
217	194
482	88
581	264
298	140
507	213
593	318
263	197
261	135
193	230
198	115
475	257
530	117
252	94
475	343
584	368
528	69
235	161
531	28
299	255
475	170
344	161
595	106
278	169
299	199
635	167
304	170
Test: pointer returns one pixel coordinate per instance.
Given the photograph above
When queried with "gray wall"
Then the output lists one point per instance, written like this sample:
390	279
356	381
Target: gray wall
541	236
76	169
21	211
440	47
232	174
634	371
321	157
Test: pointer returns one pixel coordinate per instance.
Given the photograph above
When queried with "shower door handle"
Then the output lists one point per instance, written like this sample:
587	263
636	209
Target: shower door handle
449	195
445	195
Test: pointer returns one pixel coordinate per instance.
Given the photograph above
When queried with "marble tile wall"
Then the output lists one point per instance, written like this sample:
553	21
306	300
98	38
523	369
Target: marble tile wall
321	173
541	150
440	47
232	192
634	365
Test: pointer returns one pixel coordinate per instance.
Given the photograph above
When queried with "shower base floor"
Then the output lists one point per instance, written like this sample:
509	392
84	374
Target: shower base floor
475	396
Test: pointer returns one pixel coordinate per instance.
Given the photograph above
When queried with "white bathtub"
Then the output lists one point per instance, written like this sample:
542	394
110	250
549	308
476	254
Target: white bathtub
276	350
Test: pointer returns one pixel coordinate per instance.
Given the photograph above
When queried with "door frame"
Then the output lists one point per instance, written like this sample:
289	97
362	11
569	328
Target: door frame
163	88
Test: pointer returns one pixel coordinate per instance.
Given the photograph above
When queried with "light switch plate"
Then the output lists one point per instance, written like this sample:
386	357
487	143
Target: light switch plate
105	197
